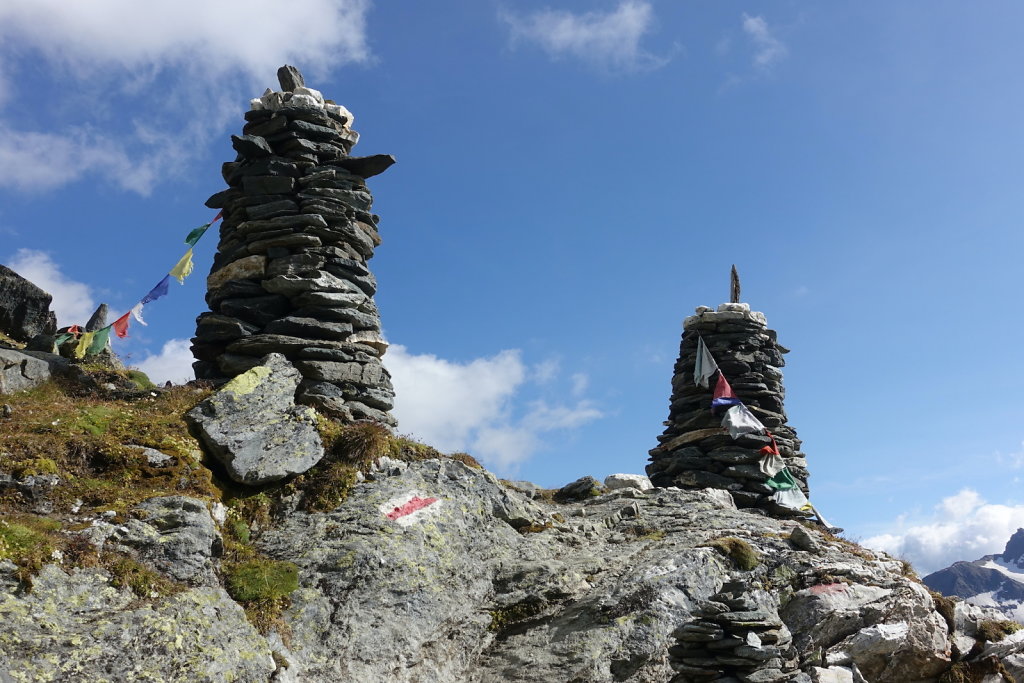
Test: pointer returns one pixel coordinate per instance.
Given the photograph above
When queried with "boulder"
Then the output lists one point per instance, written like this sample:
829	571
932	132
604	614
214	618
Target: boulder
253	427
625	481
20	371
24	308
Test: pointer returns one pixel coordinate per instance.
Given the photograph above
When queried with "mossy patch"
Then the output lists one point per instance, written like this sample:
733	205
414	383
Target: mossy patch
27	542
504	617
261	579
946	607
144	581
737	550
994	630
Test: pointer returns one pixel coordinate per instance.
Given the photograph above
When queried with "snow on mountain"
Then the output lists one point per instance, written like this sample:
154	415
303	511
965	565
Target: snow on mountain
990	581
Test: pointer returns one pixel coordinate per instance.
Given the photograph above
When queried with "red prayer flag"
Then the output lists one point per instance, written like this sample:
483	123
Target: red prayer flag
722	388
74	329
121	325
218	216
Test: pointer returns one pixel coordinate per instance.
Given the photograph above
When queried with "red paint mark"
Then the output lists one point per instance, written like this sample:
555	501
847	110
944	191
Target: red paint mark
415	503
828	588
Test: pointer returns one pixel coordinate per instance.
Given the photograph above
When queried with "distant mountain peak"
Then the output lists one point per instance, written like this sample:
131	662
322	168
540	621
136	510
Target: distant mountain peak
1014	551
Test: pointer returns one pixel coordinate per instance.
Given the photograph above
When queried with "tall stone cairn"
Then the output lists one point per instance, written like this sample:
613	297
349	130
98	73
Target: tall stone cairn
696	451
290	273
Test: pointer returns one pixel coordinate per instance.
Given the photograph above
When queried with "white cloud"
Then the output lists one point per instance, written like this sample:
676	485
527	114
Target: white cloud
186	67
963	527
172	364
474	406
769	50
72	301
609	40
580	382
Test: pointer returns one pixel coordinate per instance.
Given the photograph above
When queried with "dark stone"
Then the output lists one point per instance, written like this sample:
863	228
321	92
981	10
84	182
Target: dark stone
317	116
205	351
267	184
258	115
296	264
258	310
211	327
264	128
291	241
222	199
251	146
234	289
98	320
262	344
361	411
581	489
309	328
312	131
359	199
268	166
272	209
367	283
296	221
367	167
247	200
232	364
290	78
358	319
24	308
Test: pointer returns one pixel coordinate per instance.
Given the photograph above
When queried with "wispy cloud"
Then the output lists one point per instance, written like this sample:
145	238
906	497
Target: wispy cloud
471	406
189	66
768	50
607	40
73	301
172	364
962	527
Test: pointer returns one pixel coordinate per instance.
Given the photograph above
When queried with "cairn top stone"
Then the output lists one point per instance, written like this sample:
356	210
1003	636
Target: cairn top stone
290	78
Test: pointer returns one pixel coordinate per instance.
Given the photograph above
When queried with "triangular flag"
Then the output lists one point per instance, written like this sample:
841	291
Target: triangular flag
183	268
137	313
794	499
100	339
74	329
782	481
722	388
705	366
219	215
739	420
194	236
121	325
158	291
771	462
84	342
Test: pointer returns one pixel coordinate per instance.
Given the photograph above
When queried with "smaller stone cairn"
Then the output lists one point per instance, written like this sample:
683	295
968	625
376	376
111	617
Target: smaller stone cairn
695	451
733	639
290	273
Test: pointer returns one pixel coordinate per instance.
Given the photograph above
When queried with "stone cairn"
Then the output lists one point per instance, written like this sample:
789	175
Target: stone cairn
290	272
695	451
733	639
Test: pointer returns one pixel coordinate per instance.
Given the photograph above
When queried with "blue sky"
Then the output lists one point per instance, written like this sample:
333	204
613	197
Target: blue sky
573	179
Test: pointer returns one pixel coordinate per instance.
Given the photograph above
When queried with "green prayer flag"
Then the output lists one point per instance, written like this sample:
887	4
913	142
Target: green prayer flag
782	481
62	338
194	236
99	341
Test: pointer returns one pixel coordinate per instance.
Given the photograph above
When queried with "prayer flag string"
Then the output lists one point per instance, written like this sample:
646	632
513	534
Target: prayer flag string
91	343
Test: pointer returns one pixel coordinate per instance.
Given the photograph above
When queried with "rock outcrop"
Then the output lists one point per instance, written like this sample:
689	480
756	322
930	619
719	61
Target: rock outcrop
24	308
695	451
253	427
290	273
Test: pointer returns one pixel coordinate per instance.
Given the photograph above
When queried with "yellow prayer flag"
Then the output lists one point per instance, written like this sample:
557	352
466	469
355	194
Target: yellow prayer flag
184	267
84	342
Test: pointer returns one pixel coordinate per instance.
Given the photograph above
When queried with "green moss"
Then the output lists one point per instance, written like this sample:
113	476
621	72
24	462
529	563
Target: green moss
996	629
140	379
504	617
261	579
145	582
738	550
26	541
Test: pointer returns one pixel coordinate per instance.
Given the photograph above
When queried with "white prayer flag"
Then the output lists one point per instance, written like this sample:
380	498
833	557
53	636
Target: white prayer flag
705	367
739	420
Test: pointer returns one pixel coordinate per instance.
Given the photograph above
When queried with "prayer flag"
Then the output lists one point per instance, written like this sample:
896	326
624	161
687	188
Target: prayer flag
771	462
183	268
137	313
782	481
100	338
74	329
121	325
739	420
84	342
194	236
722	388
158	291
219	215
705	367
794	499
61	338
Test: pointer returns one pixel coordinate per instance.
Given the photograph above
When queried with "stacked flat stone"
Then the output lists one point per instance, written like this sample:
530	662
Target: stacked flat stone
696	451
733	639
290	273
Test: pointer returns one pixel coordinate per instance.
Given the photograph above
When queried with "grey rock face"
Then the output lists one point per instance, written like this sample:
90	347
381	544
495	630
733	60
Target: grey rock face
19	372
253	427
176	535
78	627
296	236
24	308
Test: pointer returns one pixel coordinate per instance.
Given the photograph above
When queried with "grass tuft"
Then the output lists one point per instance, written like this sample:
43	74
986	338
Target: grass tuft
737	550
